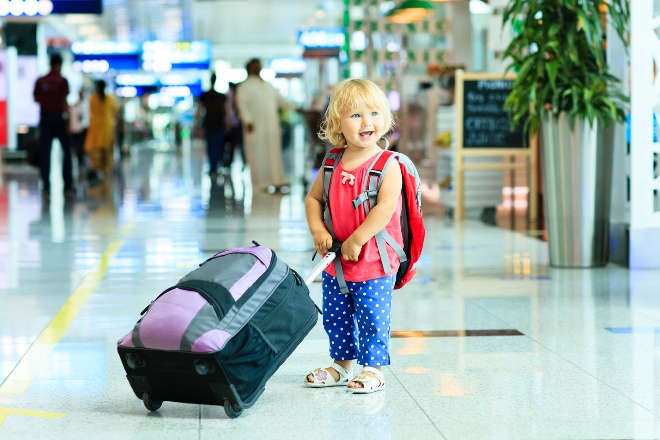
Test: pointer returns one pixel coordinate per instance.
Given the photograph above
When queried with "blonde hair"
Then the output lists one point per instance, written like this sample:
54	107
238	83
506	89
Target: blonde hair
345	97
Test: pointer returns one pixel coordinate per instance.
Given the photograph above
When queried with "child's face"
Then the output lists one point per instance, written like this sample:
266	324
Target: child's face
362	126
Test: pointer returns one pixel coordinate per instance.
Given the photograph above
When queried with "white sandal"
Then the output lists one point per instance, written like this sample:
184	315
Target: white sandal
323	378
370	382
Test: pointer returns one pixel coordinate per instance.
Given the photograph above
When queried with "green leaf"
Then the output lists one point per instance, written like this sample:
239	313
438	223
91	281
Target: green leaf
568	69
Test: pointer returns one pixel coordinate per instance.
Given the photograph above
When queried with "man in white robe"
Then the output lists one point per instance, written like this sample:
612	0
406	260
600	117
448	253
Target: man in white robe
258	102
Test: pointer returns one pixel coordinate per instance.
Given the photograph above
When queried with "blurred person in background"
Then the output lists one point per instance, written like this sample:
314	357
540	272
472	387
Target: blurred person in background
235	134
213	111
258	103
100	139
78	123
50	92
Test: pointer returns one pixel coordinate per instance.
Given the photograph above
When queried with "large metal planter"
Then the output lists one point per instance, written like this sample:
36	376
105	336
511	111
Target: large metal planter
576	164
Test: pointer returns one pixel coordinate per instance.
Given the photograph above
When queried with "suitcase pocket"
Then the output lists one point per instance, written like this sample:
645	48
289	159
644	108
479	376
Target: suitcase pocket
247	362
287	316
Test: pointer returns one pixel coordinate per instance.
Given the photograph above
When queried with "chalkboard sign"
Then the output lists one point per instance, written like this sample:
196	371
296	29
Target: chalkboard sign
485	122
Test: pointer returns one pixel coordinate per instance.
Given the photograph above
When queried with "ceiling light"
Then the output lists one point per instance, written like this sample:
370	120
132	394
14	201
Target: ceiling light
410	11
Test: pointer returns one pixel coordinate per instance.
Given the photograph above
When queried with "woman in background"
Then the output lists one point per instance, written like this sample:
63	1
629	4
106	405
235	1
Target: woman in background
100	139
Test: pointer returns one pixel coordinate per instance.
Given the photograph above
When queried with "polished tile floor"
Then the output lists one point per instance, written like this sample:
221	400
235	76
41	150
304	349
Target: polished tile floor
489	342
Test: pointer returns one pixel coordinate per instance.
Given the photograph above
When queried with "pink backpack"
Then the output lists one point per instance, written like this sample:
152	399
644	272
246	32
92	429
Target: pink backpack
412	223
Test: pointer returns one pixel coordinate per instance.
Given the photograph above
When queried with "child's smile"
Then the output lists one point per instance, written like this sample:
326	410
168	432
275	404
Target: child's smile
362	126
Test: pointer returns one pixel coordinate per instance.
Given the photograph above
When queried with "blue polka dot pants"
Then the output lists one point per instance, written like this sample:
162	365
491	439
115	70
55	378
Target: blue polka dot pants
358	323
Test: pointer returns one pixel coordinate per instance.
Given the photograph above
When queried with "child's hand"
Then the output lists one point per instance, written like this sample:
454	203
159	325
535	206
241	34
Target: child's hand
350	250
322	242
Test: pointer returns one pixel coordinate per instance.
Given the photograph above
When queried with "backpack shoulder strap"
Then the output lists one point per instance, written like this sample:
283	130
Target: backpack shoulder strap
330	162
371	184
382	159
369	196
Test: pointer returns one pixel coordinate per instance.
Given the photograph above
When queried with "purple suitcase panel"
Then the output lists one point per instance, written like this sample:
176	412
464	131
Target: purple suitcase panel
263	253
179	317
211	341
235	276
127	341
245	282
167	319
164	325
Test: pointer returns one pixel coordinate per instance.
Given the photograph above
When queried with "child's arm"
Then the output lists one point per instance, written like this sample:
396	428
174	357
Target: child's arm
379	216
314	212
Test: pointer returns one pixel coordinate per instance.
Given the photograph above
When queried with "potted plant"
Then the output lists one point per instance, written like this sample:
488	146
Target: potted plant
565	90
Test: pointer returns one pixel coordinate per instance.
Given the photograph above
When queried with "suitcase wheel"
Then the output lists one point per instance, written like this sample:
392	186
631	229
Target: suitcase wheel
151	405
232	410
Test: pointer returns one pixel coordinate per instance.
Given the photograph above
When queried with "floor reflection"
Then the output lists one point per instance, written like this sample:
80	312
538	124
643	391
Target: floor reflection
488	342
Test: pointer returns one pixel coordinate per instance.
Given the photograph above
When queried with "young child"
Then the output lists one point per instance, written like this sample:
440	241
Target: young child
357	323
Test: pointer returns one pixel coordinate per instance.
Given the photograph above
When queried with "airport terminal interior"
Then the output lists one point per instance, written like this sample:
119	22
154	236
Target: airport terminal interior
488	341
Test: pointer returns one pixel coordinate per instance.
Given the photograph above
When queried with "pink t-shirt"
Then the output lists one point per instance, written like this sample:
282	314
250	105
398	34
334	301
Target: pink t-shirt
345	186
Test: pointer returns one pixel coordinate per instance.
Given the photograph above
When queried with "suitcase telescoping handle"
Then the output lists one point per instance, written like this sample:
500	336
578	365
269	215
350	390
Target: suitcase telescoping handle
327	259
325	262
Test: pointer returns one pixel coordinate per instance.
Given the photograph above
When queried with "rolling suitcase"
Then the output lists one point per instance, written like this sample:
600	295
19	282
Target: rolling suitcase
221	332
